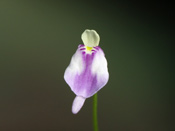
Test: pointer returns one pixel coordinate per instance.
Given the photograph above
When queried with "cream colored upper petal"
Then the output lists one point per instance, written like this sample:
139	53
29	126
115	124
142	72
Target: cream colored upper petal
90	38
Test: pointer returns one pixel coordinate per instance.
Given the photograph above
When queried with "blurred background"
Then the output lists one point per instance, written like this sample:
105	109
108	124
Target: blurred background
37	41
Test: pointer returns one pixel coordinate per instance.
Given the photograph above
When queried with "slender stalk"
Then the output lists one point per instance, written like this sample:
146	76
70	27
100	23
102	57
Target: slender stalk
95	120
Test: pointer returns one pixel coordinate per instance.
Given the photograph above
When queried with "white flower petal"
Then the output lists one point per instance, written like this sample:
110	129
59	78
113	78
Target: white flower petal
90	38
77	104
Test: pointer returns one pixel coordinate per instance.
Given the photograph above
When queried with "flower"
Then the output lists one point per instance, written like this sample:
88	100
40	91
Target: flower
87	72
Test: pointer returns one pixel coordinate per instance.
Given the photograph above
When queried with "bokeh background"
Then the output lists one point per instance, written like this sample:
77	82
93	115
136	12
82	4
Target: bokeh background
37	41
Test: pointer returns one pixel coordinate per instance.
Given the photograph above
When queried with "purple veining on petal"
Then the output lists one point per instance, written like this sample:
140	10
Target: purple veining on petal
96	47
81	45
82	48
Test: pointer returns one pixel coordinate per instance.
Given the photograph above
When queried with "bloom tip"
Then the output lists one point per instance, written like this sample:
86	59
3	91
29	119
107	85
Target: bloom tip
77	104
90	38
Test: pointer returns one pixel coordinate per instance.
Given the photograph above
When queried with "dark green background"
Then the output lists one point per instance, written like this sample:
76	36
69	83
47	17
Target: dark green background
37	41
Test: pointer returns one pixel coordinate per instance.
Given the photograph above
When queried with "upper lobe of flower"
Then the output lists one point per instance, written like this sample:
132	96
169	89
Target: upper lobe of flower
90	38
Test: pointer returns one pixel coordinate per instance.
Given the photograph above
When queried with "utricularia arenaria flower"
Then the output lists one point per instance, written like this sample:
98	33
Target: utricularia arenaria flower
87	72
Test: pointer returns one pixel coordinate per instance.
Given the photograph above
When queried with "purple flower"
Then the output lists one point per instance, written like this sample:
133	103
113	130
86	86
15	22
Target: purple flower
87	72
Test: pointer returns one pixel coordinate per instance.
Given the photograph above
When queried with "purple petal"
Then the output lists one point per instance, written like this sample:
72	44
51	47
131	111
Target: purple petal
87	72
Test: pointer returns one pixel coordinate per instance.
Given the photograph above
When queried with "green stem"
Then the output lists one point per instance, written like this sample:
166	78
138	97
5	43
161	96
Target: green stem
95	120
